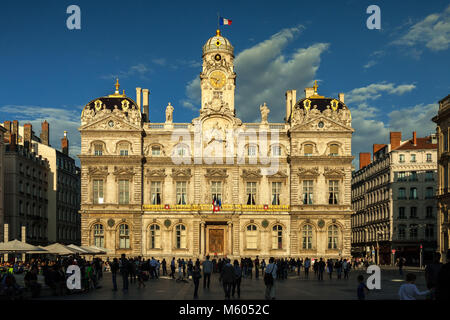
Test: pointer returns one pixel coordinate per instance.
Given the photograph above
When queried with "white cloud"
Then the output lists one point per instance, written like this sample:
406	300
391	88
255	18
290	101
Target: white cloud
139	69
375	90
433	32
370	64
59	119
264	73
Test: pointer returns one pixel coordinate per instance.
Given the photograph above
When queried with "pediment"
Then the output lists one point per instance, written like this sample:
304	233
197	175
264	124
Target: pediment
99	171
155	173
308	172
334	172
216	173
251	174
103	123
328	125
181	173
279	175
123	171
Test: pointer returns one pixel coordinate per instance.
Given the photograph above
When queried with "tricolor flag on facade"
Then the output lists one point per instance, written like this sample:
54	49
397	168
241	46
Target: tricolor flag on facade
224	22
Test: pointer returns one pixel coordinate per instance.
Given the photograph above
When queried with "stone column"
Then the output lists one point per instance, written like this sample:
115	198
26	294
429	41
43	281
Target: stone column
202	239
230	241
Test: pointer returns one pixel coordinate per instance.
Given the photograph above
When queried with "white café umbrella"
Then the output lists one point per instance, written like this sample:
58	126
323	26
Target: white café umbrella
59	249
78	249
16	246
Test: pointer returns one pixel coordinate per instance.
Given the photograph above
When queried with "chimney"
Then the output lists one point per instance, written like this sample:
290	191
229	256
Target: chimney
138	98
414	138
7	126
341	97
364	159
309	92
12	142
377	147
15	130
145	104
395	139
65	144
45	133
27	135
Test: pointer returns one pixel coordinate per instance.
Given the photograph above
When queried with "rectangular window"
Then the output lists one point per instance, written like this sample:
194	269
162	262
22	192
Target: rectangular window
308	150
98	149
429	231
334	150
181	192
445	177
98	191
333	192
429	193
155	192
123	152
402	158
413	176
413	158
445	144
156	151
308	191
401	176
251	151
401	213
429	176
413	212
413	193
124	192
429	158
251	193
216	191
276	190
401	232
276	151
413	231
429	213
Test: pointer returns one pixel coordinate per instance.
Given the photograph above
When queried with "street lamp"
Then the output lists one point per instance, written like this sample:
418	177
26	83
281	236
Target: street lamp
378	247
421	246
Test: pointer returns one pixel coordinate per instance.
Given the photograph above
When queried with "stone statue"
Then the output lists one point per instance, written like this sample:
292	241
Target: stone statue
327	112
264	112
169	113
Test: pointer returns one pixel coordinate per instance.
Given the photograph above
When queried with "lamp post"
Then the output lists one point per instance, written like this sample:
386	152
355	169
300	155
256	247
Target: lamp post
421	247
378	247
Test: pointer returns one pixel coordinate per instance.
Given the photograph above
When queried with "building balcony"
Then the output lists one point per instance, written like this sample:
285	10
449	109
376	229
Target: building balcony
209	207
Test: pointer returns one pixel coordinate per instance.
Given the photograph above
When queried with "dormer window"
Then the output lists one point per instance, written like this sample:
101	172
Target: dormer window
308	150
156	151
334	150
98	149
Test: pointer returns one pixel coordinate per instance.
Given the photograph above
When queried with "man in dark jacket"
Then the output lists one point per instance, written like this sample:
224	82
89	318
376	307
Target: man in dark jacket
124	266
227	276
443	284
321	268
114	269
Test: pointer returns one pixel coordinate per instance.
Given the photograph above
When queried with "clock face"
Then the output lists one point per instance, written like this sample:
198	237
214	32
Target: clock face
217	79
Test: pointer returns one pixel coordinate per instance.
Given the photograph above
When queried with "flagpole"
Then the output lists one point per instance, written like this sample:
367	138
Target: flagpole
218	21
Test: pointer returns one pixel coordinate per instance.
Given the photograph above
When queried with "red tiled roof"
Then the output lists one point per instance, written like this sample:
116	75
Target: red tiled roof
422	143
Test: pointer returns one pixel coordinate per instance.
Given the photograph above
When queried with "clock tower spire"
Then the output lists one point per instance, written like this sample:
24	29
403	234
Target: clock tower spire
218	79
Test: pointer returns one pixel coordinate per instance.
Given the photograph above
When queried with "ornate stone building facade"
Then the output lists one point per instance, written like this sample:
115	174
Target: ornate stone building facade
217	185
443	192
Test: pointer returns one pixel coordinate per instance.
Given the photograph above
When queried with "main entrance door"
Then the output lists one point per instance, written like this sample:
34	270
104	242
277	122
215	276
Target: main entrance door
216	241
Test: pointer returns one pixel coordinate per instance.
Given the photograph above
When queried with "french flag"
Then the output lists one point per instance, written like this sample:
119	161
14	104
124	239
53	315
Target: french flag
225	22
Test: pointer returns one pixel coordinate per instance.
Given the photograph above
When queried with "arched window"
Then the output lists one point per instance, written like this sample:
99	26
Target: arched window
99	236
252	237
180	236
308	149
277	237
334	150
155	237
124	236
307	236
123	148
333	237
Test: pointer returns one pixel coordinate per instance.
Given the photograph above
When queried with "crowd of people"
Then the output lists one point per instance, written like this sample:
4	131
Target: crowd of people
139	270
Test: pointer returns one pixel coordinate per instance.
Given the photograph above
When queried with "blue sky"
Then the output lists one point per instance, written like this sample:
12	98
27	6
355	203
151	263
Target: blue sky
392	77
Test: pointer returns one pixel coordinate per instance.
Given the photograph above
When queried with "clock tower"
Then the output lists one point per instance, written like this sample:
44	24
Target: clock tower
218	79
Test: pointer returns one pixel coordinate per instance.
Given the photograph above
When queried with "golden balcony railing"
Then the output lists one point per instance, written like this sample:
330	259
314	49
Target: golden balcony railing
209	207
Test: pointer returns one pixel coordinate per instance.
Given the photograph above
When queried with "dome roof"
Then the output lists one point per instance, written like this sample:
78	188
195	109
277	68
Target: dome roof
218	44
321	103
113	101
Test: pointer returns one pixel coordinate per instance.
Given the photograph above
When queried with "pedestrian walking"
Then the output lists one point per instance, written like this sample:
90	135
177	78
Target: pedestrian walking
164	267
307	265
330	268
362	289
432	274
320	268
256	268
401	263
346	268
227	277
114	266
263	266
237	280
124	271
196	278
269	279
409	291
172	268
207	269
338	267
